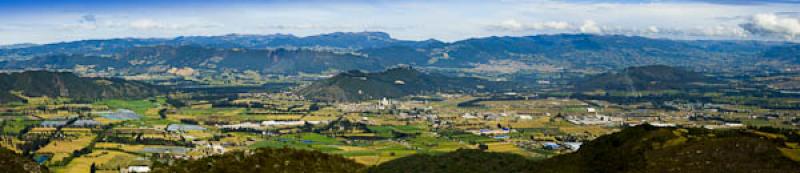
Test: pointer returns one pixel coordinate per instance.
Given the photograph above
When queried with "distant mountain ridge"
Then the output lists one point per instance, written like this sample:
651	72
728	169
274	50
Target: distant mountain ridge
68	85
373	51
159	59
343	40
393	83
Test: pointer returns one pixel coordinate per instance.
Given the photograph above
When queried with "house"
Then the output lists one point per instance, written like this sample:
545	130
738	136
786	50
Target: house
593	120
85	123
503	131
574	146
659	124
550	146
184	127
501	137
491	117
245	125
136	169
53	123
468	116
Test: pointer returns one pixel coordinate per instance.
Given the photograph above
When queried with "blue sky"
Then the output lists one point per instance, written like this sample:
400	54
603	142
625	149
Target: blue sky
36	21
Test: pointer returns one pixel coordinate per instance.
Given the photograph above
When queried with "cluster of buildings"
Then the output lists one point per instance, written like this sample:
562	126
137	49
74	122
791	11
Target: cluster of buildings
267	124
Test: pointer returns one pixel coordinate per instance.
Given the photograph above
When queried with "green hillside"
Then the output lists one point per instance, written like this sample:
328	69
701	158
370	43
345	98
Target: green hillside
653	77
68	85
393	83
637	149
463	160
651	149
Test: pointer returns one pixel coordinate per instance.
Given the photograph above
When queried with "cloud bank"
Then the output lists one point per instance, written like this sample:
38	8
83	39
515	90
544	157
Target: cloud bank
447	20
772	25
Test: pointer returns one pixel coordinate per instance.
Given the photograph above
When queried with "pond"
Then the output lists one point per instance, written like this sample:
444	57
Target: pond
41	158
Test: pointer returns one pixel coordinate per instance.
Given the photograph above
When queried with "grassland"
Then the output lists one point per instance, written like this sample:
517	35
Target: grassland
107	160
63	148
141	107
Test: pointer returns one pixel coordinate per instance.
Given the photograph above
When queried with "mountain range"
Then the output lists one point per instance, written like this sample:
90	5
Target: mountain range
375	51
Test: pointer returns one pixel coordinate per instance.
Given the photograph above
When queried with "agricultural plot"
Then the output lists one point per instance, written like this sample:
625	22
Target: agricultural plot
63	148
105	160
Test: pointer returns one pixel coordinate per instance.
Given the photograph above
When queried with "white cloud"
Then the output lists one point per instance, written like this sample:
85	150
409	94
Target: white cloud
772	25
517	26
146	24
150	24
652	29
589	26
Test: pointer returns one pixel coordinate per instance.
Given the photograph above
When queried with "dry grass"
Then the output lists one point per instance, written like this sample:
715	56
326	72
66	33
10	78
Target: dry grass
101	158
64	147
124	147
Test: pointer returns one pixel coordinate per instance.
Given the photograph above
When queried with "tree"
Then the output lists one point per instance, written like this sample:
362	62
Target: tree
483	147
93	168
162	113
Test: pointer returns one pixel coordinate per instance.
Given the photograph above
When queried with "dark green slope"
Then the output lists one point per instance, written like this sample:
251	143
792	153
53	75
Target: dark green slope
265	160
68	85
393	83
11	162
461	161
651	149
653	77
641	149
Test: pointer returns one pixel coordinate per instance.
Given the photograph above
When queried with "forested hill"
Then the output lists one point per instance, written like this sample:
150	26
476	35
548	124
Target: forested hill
394	83
12	162
16	86
265	160
637	149
653	77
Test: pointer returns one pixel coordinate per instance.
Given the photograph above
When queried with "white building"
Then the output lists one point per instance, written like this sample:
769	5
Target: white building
136	169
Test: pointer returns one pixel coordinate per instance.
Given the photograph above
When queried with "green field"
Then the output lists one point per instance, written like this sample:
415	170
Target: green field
139	106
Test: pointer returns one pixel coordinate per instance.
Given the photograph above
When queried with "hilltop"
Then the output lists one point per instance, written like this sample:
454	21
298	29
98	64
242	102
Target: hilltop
653	77
462	160
392	83
15	86
637	149
651	149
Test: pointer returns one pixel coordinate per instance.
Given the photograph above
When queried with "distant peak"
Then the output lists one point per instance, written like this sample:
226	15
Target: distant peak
375	34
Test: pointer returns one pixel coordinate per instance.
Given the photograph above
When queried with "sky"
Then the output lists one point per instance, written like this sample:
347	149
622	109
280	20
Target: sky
49	21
